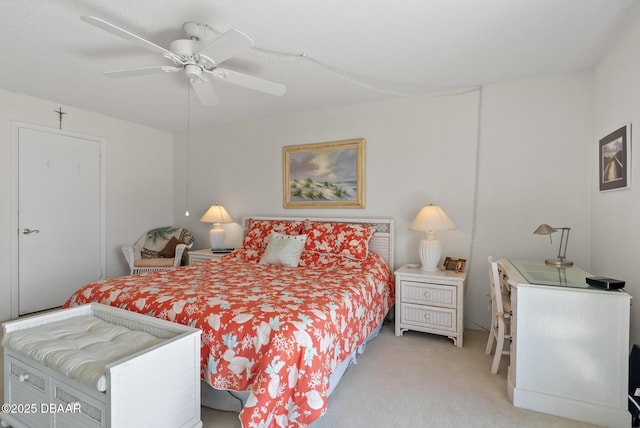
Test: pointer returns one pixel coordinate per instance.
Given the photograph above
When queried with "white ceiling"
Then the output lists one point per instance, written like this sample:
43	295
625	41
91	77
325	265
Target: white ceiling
354	50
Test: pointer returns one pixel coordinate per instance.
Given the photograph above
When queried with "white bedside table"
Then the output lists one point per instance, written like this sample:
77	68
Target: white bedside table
430	302
199	256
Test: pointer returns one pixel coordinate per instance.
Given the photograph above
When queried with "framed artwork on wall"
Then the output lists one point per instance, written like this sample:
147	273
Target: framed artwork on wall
615	159
324	175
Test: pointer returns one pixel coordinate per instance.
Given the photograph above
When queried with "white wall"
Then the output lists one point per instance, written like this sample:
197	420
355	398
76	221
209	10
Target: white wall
532	169
537	162
615	225
417	151
139	178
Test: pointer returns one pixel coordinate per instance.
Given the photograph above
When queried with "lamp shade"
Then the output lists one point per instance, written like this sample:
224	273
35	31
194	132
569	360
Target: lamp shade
431	218
545	229
216	214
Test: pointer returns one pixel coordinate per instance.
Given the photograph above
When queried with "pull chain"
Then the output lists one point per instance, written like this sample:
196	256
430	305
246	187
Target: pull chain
186	213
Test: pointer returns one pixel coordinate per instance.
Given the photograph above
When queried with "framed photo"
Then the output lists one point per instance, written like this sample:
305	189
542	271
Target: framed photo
324	175
454	264
615	159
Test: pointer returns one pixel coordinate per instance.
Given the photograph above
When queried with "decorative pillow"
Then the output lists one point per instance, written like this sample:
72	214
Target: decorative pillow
348	240
284	250
152	242
169	250
258	231
245	254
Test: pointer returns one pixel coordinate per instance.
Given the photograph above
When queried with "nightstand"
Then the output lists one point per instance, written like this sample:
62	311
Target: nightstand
430	302
199	256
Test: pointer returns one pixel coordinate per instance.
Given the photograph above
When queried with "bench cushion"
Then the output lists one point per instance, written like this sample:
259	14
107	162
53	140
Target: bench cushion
154	262
79	347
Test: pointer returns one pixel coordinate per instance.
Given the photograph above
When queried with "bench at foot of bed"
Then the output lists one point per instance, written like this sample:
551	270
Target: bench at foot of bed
100	366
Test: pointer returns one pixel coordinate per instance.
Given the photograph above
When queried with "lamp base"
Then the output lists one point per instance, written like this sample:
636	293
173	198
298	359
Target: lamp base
216	237
559	262
430	252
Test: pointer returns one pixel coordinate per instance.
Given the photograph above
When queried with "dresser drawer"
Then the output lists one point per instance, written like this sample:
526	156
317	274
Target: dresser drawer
27	388
80	410
429	317
428	294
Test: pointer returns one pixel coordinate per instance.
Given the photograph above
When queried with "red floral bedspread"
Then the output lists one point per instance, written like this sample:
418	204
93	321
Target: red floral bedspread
276	331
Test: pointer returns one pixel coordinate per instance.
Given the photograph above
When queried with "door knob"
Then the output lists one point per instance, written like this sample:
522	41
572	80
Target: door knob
28	231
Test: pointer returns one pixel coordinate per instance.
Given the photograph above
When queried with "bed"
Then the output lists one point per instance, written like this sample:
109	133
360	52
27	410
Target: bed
282	317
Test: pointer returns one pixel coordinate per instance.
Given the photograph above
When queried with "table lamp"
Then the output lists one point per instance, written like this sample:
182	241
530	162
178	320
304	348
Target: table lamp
561	260
430	219
217	215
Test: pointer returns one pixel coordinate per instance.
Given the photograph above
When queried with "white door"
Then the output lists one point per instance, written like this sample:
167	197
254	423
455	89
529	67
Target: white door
60	216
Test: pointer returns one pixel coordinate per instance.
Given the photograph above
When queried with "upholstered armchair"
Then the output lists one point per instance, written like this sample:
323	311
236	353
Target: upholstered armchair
162	248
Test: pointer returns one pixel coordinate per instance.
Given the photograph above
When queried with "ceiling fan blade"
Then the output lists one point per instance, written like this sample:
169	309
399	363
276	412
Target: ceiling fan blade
120	32
141	71
205	92
227	45
251	82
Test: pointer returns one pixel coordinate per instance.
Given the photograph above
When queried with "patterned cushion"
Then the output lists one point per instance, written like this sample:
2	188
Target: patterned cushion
154	262
258	231
341	239
155	240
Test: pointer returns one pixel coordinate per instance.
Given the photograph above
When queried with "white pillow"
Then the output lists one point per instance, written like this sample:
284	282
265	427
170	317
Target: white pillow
284	250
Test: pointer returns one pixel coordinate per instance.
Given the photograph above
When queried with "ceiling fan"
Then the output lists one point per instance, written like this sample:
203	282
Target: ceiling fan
199	56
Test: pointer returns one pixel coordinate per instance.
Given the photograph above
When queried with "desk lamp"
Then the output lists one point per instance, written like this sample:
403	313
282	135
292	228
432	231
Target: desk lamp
430	219
217	215
561	260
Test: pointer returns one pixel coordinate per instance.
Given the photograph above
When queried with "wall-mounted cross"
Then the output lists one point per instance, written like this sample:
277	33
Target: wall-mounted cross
60	113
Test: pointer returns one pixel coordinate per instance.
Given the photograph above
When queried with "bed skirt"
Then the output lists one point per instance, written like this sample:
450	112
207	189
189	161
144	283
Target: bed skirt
233	401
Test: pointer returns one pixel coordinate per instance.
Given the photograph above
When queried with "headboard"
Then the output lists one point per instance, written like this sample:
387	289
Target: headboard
381	242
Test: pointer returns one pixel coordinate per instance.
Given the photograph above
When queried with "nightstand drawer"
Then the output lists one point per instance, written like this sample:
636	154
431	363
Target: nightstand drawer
428	294
429	317
200	256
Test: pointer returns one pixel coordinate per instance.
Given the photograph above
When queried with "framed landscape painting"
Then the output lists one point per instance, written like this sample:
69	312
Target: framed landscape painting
615	163
324	175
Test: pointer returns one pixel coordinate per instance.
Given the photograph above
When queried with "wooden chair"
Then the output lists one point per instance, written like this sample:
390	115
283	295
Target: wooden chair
500	330
162	248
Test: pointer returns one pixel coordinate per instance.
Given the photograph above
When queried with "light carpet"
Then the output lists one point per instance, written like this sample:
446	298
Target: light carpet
420	381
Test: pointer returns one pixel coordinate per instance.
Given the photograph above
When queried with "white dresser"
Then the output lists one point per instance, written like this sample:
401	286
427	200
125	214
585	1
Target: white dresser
431	302
570	344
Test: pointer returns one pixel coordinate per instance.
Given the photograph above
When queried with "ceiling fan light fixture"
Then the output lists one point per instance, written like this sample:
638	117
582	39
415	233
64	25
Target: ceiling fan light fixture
193	72
203	51
184	47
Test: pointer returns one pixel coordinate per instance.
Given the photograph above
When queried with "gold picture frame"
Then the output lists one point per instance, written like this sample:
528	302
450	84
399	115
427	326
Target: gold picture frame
324	175
454	264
